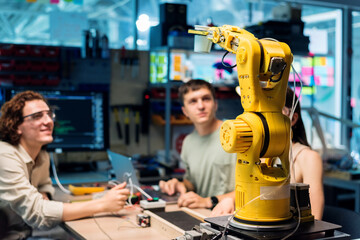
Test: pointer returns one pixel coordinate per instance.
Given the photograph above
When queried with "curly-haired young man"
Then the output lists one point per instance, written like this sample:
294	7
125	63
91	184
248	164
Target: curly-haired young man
26	126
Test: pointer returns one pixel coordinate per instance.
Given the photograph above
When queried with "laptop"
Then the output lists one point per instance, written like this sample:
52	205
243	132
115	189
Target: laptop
124	170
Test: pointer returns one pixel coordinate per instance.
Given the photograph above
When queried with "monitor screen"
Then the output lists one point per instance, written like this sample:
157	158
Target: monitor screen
81	122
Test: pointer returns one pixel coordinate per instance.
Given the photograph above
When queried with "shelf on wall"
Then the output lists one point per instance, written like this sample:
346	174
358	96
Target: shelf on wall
174	120
29	65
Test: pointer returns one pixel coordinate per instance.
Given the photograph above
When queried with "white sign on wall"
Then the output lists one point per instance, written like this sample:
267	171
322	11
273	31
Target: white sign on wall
318	40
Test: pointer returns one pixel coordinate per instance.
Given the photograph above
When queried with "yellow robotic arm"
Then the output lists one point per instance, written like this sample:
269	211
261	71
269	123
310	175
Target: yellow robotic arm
261	135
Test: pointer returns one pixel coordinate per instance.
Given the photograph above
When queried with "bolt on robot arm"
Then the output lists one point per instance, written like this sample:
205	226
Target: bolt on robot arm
262	131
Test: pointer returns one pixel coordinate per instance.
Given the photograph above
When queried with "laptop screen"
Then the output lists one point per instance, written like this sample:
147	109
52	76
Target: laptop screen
123	168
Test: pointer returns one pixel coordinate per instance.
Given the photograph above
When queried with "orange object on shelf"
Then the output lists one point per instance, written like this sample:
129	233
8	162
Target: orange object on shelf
158	120
179	120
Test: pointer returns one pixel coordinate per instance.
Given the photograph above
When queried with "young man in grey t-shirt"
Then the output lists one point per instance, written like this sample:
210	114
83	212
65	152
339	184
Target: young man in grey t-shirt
210	171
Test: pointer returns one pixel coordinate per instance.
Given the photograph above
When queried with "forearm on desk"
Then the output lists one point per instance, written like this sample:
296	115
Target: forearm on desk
77	210
226	195
221	197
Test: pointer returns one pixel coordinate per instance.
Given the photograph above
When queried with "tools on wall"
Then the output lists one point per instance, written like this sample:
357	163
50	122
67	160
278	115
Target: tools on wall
94	45
129	63
127	129
137	126
129	78
117	122
127	119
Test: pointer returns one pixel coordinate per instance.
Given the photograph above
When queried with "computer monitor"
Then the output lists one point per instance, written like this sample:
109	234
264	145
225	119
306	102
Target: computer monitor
82	120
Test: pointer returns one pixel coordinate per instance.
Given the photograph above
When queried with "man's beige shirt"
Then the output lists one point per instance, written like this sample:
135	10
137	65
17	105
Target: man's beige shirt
21	181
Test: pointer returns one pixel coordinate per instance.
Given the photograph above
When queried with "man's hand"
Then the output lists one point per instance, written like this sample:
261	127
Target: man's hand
224	207
115	199
172	186
193	200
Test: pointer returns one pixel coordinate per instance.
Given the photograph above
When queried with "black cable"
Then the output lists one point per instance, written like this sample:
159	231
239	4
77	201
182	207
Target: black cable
226	64
216	237
266	133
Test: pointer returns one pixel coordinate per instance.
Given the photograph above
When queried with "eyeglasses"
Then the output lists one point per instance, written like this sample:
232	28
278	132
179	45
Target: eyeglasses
39	115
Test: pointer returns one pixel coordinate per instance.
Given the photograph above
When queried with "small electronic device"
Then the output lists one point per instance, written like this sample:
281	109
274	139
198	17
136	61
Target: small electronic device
143	220
153	204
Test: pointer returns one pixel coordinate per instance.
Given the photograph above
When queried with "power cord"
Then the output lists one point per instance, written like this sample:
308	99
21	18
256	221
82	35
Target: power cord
294	105
131	185
112	182
101	229
52	161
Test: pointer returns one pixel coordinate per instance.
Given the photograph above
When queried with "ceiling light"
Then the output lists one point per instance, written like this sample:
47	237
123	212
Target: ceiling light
143	23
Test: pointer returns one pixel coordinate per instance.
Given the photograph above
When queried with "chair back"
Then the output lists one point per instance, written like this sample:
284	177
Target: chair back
349	220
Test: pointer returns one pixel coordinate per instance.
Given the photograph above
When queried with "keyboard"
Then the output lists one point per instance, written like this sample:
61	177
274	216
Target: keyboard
157	193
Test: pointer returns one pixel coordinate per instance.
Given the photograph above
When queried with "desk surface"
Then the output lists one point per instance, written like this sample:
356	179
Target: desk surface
122	225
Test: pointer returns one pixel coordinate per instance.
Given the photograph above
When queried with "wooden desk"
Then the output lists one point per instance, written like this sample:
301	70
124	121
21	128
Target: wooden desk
122	225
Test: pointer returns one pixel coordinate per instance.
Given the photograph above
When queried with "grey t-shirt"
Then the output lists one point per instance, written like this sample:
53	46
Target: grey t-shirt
208	167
